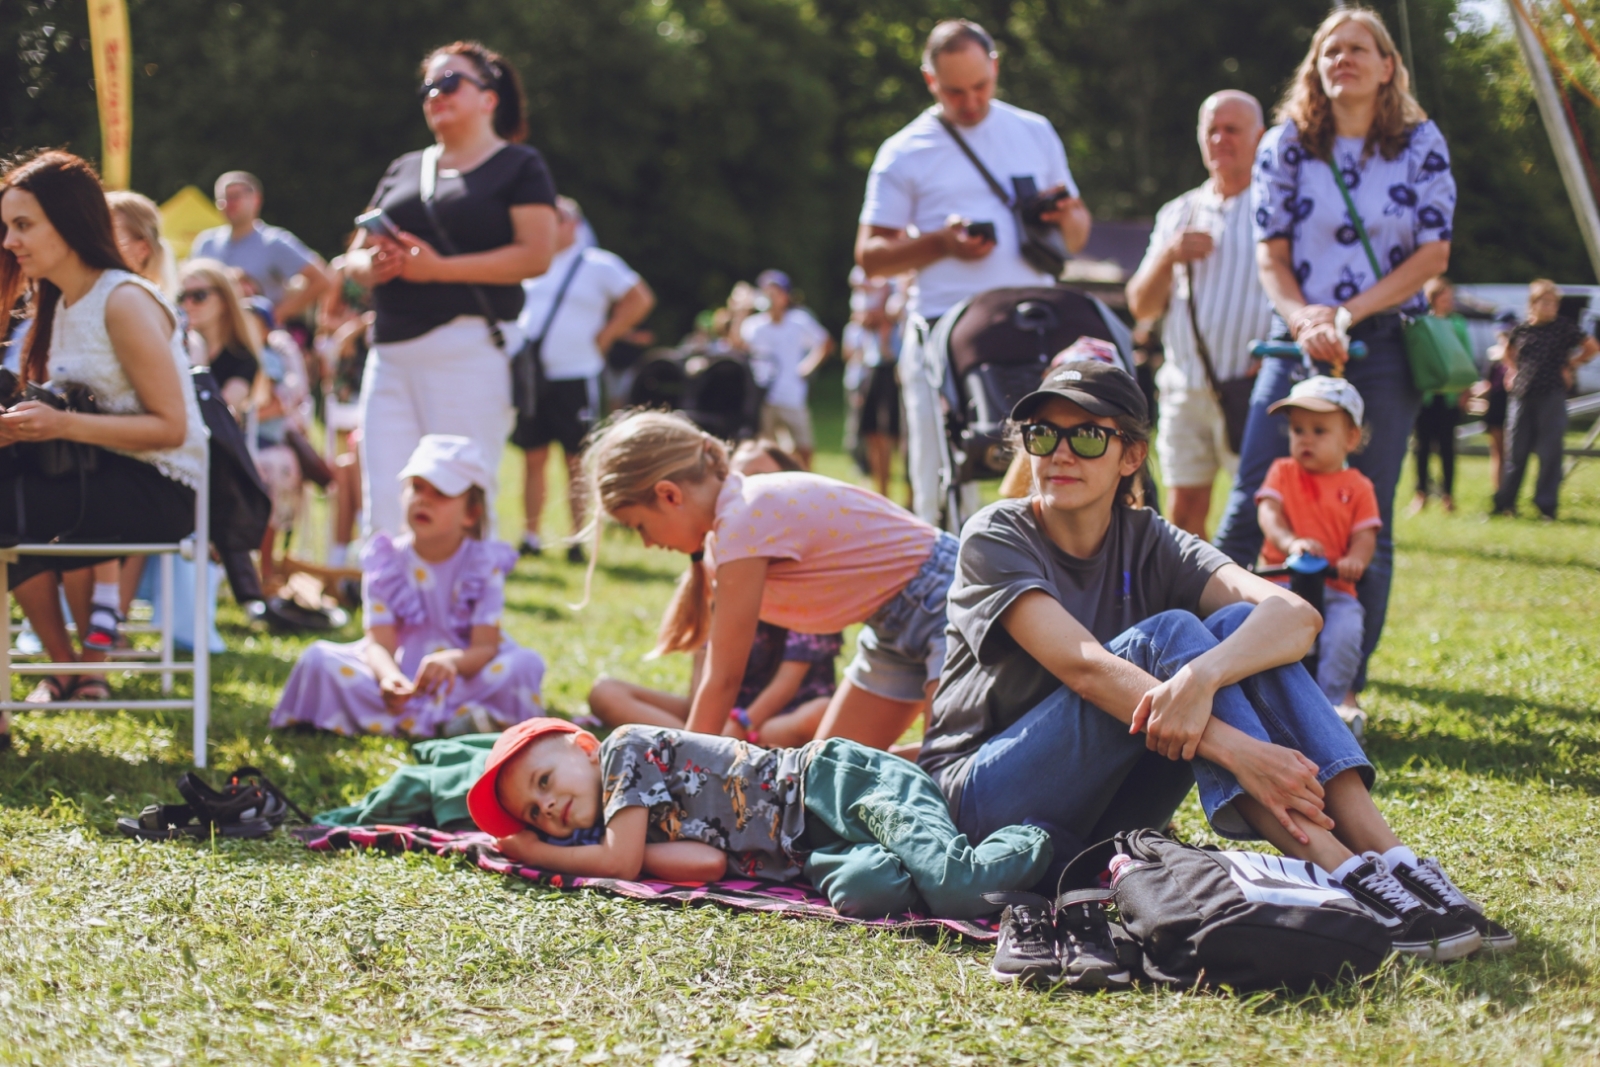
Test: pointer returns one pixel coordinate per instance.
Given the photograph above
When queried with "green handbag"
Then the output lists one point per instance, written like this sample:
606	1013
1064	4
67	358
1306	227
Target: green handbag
1439	362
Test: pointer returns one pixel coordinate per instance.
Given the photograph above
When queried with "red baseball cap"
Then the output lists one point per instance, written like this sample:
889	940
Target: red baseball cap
483	801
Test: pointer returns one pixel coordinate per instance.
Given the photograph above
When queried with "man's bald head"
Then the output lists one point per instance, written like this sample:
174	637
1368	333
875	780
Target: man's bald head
1231	125
1231	98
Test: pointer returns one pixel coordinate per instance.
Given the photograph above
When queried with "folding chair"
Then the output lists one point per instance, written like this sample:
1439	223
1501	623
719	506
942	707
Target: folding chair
134	661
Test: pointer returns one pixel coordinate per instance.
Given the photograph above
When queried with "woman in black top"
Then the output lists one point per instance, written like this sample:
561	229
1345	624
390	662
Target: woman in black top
435	366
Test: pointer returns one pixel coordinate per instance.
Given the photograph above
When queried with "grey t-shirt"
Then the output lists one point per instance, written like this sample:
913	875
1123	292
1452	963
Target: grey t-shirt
1146	566
269	254
721	791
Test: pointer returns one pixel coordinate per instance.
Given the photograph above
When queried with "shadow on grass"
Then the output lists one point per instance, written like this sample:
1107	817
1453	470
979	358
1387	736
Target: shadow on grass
1520	739
1494	555
634	572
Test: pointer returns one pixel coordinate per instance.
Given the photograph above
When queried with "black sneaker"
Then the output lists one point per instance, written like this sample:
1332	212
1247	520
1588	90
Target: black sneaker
1083	942
1415	929
527	549
575	555
1026	951
1429	884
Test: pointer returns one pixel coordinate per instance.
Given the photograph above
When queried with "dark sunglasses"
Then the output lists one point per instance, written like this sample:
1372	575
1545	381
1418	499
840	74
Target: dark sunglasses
446	85
195	296
1087	440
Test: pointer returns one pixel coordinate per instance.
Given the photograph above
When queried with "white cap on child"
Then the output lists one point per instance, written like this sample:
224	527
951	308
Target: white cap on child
449	463
1323	393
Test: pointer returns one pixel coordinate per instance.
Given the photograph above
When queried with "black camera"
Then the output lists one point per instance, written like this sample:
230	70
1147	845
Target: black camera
982	230
1034	206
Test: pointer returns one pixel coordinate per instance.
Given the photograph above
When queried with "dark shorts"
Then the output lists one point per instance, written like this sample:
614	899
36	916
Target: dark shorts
125	500
1495	417
880	407
567	410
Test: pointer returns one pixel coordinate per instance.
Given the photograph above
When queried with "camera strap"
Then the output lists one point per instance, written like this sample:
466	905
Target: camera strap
961	142
429	182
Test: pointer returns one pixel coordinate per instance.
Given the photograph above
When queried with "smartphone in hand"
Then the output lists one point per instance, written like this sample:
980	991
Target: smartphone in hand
378	223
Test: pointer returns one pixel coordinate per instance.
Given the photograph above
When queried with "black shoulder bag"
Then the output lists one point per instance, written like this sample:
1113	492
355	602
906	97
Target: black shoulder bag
527	375
1042	244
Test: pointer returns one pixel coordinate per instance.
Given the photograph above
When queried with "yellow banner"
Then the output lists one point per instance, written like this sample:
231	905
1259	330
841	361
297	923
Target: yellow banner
113	86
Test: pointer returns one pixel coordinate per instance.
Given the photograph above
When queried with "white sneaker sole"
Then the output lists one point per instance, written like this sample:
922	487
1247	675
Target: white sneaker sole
1451	948
1032	977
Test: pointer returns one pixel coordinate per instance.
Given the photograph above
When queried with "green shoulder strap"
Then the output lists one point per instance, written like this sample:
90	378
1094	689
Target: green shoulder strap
1355	217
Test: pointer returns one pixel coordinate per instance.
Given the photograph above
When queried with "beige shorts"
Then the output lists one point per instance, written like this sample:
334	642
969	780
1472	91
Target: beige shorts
1192	439
797	420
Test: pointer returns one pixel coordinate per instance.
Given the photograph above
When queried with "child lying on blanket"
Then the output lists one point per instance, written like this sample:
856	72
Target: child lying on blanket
869	830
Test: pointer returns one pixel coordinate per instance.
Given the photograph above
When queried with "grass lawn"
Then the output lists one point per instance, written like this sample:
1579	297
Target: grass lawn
1485	729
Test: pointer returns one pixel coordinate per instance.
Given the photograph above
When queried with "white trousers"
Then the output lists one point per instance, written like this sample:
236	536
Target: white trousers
450	380
927	452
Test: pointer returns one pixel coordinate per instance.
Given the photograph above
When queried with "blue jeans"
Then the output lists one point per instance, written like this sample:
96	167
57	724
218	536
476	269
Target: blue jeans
1075	771
1384	380
1339	644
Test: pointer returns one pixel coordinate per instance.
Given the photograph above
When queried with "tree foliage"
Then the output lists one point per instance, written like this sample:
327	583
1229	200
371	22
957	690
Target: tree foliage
708	139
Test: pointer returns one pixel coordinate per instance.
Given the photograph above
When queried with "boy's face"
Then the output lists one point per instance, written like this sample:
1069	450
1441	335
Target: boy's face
553	785
1320	441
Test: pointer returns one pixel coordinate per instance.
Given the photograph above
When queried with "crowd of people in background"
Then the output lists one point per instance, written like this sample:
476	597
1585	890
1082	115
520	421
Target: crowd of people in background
1079	661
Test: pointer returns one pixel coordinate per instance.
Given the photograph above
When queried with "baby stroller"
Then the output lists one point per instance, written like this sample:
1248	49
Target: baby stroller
715	390
990	351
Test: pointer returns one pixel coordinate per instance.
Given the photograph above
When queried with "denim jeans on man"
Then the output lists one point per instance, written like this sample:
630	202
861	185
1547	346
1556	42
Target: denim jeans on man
1535	426
1075	771
1384	380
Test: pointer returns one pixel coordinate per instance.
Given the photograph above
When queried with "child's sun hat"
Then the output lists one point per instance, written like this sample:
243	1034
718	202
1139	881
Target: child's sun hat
483	802
449	463
1322	393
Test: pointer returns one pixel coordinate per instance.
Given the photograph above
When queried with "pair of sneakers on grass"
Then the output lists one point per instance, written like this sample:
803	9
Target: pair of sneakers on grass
1068	941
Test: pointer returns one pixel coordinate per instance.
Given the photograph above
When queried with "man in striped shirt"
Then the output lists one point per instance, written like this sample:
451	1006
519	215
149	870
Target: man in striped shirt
1202	246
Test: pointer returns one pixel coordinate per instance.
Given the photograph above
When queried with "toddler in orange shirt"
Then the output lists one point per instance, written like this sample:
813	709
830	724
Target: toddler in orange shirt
1314	504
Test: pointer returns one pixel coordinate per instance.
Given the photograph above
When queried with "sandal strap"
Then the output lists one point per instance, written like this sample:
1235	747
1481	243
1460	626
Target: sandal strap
235	780
164	818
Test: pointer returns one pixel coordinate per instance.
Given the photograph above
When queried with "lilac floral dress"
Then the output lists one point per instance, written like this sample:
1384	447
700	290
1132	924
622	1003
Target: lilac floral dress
433	607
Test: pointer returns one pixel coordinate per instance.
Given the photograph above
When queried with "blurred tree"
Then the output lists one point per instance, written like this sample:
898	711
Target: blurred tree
708	139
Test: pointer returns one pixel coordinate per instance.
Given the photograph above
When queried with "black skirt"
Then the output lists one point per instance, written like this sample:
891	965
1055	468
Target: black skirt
124	500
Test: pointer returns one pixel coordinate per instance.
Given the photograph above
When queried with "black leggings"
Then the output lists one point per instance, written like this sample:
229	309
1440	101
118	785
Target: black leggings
1436	429
125	500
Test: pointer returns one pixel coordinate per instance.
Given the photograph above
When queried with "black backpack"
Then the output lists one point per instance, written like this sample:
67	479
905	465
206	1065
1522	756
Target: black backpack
1190	916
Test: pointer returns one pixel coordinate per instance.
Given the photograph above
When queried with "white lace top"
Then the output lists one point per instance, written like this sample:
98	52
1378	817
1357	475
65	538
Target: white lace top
81	354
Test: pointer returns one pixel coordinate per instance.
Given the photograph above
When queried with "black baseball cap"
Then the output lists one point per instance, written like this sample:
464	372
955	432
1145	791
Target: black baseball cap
1098	388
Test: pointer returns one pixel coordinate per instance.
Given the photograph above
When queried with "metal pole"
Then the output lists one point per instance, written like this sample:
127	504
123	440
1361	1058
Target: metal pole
169	616
1561	142
202	613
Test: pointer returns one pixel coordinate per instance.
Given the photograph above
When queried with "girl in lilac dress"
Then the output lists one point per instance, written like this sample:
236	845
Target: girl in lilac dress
433	661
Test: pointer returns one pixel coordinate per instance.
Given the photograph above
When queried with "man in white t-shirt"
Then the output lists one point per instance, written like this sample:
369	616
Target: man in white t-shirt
925	206
786	344
601	299
1203	248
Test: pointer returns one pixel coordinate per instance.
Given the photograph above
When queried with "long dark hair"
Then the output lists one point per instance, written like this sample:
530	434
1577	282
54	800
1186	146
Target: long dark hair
70	194
498	75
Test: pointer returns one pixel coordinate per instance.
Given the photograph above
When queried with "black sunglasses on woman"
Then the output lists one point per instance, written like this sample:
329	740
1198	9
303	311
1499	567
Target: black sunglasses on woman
447	84
1087	440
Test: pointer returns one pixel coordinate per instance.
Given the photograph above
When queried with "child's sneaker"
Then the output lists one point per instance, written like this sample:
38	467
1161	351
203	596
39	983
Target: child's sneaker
1083	942
103	628
1415	929
1026	951
1429	884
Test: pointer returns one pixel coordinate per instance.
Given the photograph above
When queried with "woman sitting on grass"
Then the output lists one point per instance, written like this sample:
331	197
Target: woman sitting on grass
798	550
1076	626
434	660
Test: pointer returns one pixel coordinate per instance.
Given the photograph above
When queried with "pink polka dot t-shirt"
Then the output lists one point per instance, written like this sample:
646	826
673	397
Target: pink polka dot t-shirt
837	552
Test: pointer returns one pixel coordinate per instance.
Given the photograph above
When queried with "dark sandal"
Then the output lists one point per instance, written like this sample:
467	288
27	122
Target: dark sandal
241	800
251	778
91	687
169	822
100	637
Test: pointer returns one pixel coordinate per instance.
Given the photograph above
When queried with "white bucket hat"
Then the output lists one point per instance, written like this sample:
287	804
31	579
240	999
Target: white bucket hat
449	463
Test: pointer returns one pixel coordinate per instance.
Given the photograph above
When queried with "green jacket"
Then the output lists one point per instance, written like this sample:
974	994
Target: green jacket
432	792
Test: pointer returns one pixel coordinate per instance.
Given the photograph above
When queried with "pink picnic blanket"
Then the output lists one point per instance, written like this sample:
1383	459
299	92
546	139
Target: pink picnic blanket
795	899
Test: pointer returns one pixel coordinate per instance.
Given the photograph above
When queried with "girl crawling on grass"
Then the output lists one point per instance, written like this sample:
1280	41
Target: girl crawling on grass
794	549
869	830
434	660
788	679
